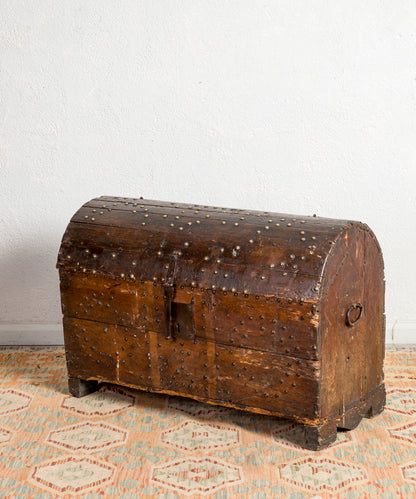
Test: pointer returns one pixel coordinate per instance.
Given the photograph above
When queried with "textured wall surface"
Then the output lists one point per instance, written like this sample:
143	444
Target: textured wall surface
291	106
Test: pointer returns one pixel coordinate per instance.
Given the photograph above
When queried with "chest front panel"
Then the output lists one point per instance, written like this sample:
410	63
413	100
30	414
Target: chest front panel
203	369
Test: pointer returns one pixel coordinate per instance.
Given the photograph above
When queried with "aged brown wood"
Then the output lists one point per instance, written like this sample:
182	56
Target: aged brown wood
271	313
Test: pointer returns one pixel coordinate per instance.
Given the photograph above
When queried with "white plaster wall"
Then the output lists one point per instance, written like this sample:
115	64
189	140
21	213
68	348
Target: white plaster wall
291	106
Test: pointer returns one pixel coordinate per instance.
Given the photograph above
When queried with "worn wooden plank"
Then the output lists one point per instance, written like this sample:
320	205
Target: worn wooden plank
259	322
260	379
103	299
263	217
206	241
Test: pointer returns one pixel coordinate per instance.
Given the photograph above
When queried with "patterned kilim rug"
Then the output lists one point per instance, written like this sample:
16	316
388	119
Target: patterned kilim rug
124	443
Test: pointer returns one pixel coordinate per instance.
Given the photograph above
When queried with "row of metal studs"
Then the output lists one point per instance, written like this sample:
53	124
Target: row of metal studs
192	207
177	217
156	308
135	202
203	327
300	301
194	284
223	222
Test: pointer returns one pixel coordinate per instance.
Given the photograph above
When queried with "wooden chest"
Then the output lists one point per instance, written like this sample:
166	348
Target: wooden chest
271	313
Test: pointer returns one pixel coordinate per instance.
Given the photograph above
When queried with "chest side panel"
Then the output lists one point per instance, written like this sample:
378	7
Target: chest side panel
352	356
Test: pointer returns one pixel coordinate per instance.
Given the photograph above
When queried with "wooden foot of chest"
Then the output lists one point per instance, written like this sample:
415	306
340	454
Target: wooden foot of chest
319	437
376	402
371	405
81	387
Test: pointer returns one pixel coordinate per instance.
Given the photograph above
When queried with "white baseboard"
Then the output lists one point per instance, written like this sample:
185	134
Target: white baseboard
399	332
31	334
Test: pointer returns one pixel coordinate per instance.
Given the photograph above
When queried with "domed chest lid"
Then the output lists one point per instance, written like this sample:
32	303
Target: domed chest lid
205	247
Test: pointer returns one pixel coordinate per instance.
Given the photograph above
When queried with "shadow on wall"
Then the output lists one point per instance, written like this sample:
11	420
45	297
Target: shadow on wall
30	281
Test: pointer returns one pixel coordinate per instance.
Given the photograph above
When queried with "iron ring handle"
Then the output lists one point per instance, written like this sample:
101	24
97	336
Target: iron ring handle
353	308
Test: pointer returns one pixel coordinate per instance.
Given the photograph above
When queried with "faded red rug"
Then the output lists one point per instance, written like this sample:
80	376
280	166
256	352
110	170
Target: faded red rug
125	443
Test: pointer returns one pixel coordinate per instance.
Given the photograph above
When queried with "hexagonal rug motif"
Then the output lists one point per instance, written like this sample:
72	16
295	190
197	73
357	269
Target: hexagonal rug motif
321	474
108	400
204	476
87	437
72	474
13	400
192	436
